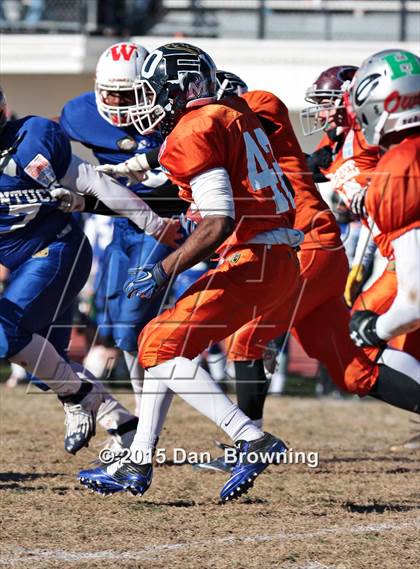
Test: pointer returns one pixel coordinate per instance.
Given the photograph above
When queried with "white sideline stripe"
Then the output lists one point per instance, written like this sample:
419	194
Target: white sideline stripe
34	555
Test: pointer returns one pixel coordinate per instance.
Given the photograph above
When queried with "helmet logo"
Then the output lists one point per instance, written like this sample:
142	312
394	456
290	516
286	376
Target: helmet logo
149	66
395	101
402	63
122	51
365	88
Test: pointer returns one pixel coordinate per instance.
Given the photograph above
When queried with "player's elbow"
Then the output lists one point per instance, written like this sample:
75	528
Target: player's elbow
225	226
219	227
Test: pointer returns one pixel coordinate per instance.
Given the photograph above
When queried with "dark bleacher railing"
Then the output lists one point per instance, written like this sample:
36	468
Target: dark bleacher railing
274	19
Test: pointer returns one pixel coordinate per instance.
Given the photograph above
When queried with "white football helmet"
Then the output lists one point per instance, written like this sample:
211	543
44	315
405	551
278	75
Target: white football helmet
3	110
385	94
116	71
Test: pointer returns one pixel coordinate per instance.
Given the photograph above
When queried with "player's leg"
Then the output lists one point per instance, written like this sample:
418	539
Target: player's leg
247	345
349	366
214	307
39	291
134	313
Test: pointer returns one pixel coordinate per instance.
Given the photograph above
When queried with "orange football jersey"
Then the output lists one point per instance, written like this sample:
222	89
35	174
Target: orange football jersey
352	164
393	196
227	134
313	215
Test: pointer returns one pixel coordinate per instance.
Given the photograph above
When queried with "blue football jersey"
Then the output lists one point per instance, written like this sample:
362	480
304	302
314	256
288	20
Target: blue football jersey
110	144
34	154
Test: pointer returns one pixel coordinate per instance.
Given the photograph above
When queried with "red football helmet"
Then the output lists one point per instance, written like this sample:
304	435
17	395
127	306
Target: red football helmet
326	95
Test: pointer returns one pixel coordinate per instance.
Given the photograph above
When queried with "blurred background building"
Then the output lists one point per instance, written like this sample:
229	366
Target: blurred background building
49	48
272	19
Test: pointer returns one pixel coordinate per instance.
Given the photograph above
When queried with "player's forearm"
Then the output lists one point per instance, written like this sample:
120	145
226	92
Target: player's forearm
81	177
207	237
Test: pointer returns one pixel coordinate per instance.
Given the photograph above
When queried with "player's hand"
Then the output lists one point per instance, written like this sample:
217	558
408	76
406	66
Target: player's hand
353	284
321	158
146	281
363	329
135	169
357	204
69	201
171	234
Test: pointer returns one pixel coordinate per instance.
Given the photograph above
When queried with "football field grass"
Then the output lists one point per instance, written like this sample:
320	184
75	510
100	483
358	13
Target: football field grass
359	508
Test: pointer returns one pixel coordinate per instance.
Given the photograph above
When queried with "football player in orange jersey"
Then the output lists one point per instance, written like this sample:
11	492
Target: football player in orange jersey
220	157
385	97
353	162
342	158
321	319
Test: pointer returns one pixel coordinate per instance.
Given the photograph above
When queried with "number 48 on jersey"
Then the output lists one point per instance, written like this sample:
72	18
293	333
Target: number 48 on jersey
261	175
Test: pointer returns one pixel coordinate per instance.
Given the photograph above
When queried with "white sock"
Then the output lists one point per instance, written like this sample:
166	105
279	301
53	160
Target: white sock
136	377
100	359
18	371
277	383
41	359
199	390
217	364
402	362
155	403
111	414
258	423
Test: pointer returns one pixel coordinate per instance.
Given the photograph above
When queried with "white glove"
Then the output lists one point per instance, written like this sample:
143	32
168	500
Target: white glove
69	201
134	168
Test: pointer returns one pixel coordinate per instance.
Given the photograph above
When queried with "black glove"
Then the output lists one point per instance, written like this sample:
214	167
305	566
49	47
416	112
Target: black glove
363	329
321	158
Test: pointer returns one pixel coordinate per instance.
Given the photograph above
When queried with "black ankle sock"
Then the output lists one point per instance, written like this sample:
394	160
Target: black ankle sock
76	398
397	389
251	387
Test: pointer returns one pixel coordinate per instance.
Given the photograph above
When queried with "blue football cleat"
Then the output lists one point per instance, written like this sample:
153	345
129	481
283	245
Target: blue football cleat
253	458
221	463
118	477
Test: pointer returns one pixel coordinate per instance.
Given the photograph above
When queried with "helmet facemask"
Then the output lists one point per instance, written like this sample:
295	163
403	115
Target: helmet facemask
326	105
145	114
327	110
117	114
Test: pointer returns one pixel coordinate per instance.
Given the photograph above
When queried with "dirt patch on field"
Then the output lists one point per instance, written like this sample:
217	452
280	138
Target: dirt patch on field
359	508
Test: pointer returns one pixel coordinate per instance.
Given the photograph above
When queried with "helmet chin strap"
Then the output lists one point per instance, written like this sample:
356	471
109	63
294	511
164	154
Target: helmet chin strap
377	133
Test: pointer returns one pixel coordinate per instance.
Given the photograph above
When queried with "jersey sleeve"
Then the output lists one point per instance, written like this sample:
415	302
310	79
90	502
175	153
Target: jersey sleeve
45	151
193	149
